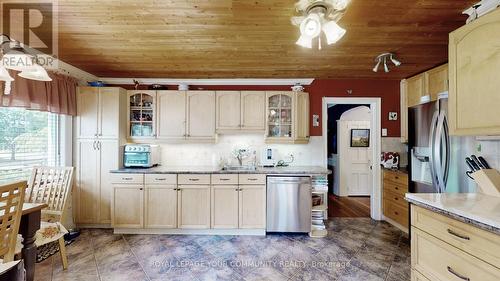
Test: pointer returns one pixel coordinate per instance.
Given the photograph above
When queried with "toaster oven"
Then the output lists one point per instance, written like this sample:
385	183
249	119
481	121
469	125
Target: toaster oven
141	155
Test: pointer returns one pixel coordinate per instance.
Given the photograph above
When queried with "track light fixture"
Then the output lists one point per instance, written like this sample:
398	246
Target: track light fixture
383	58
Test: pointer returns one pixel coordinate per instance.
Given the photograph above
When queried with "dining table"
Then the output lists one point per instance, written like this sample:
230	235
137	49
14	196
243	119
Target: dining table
29	225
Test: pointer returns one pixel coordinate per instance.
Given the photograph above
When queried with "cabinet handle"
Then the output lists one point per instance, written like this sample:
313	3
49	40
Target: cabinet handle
224	179
126	179
252	179
450	270
141	188
160	179
396	177
458	235
194	179
237	189
100	135
93	145
98	145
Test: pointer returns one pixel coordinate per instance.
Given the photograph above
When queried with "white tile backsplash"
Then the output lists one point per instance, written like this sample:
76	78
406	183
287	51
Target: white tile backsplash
391	144
490	150
209	154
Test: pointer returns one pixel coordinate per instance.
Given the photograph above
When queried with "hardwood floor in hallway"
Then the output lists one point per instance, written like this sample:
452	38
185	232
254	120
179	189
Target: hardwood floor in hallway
352	207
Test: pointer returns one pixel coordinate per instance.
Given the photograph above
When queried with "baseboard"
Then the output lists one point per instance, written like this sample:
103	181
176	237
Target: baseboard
177	231
394	223
93	225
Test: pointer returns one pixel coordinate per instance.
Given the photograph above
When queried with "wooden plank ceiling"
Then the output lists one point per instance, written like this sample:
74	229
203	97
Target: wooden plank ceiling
249	39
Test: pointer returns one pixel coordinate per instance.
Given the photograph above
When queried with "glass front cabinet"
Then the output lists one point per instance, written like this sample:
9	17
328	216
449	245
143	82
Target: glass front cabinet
142	114
287	117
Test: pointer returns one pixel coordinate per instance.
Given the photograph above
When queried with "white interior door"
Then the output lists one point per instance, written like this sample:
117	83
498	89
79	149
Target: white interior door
355	162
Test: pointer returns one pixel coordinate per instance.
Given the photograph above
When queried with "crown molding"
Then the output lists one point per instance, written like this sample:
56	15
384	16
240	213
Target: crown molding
207	82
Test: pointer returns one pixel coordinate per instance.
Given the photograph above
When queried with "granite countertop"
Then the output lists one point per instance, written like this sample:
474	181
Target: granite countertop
291	170
480	210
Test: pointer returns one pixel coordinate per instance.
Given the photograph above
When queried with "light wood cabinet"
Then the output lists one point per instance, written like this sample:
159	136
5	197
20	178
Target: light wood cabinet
100	127
474	60
395	207
171	110
224	206
443	248
194	206
287	119
161	206
200	115
301	124
253	111
228	111
240	111
87	182
128	206
141	115
100	112
403	116
436	81
252	206
415	89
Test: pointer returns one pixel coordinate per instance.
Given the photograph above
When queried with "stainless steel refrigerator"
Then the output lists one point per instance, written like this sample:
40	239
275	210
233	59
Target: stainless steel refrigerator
437	160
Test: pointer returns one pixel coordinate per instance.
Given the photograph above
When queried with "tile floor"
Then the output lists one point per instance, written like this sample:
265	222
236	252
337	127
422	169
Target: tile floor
356	249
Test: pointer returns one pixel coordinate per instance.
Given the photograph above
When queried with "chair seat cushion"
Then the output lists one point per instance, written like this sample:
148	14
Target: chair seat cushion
49	232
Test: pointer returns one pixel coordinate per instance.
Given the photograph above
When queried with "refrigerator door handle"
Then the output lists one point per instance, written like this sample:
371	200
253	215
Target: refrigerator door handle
441	163
432	144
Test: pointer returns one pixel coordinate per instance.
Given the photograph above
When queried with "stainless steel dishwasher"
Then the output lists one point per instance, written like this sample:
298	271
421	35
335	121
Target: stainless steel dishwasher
288	204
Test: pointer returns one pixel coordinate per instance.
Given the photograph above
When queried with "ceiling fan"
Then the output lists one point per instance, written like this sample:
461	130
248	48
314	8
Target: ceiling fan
319	16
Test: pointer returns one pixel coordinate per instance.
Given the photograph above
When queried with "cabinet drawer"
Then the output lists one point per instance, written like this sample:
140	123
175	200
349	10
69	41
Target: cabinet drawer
252	179
395	187
477	242
396	177
396	213
396	198
439	261
127	178
193	179
224	179
160	179
417	276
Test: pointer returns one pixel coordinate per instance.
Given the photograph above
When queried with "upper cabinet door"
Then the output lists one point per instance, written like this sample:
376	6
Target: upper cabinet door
415	89
301	123
142	114
279	116
87	110
474	64
253	111
228	110
201	114
109	113
171	114
437	81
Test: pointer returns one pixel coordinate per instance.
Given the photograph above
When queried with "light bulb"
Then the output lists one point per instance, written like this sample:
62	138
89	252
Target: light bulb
386	68
311	26
395	61
333	32
304	41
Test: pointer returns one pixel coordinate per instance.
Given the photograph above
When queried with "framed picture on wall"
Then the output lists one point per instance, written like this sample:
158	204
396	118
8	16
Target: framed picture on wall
360	137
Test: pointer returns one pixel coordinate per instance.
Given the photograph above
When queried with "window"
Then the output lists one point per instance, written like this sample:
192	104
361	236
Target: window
27	138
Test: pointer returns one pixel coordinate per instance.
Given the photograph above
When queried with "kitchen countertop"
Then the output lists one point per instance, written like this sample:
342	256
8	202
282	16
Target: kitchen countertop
400	170
480	210
291	170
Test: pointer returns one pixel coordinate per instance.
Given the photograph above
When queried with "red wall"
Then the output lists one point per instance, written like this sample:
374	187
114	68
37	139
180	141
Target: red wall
388	90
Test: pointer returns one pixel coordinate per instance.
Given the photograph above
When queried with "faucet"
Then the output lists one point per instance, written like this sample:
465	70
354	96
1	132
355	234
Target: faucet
241	154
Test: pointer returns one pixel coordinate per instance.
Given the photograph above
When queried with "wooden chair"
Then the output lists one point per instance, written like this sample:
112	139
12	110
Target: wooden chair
11	206
51	185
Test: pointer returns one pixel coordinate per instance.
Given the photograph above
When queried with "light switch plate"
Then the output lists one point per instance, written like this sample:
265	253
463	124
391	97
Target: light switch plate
384	132
315	120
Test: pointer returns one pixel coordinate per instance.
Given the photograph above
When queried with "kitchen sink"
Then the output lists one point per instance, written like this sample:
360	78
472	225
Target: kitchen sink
239	168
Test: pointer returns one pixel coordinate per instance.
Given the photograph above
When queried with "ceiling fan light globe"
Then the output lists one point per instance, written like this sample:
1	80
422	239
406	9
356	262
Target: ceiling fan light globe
38	73
304	41
311	26
333	32
386	68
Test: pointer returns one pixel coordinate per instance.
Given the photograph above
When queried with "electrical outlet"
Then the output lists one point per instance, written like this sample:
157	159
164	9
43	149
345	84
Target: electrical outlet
384	132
